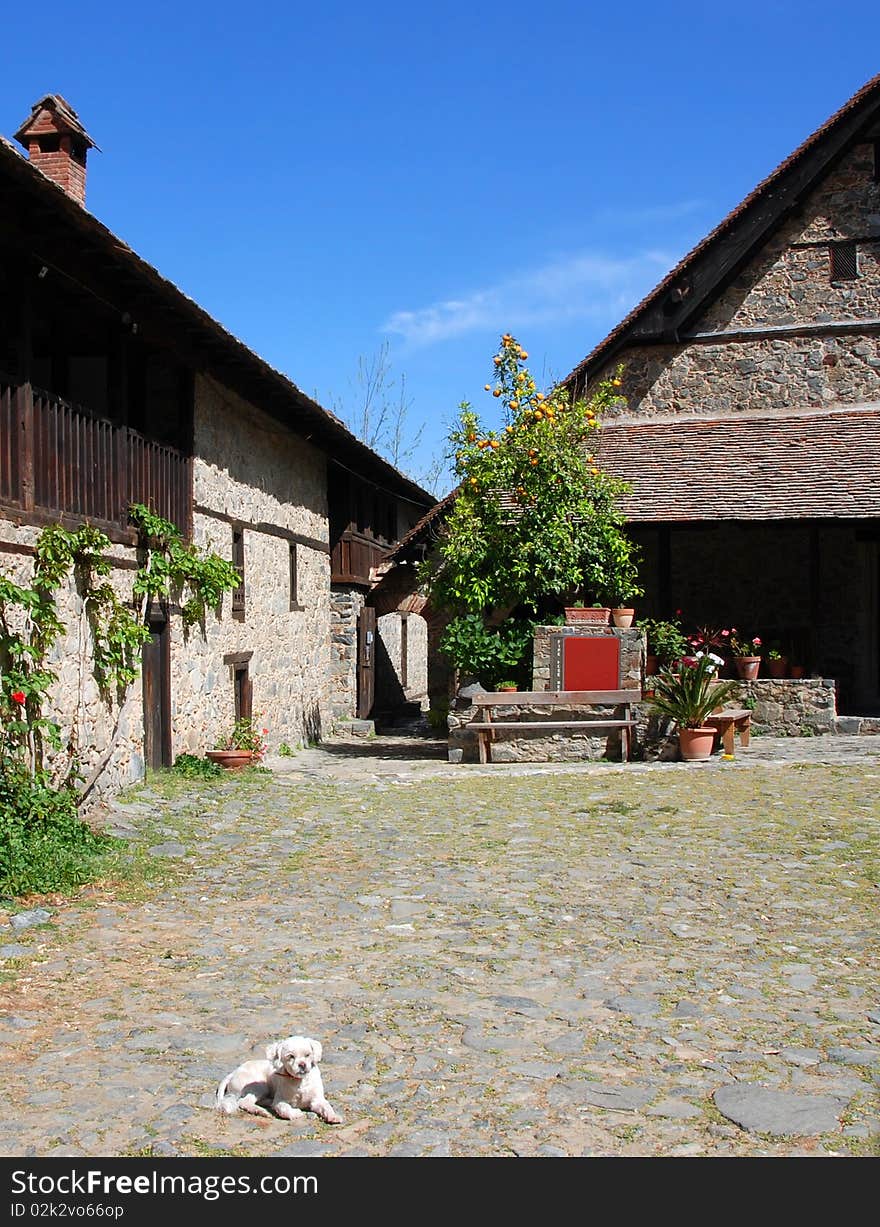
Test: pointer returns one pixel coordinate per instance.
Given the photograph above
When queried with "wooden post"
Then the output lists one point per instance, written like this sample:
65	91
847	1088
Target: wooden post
25	397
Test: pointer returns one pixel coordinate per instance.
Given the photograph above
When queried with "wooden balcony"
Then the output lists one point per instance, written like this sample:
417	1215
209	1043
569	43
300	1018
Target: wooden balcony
354	556
59	460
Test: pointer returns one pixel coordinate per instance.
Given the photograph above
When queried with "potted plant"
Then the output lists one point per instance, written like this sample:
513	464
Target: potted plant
507	686
688	697
746	656
666	643
777	664
616	574
580	611
243	747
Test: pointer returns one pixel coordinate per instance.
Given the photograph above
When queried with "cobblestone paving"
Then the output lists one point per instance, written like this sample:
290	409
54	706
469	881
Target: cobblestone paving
663	960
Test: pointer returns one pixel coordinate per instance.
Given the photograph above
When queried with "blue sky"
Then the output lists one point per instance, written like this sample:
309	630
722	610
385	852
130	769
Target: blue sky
325	179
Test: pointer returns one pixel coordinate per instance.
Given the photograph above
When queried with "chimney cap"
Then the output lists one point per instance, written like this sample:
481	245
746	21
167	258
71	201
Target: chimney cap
61	118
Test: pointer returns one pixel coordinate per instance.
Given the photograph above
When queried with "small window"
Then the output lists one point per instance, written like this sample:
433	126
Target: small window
844	262
238	563
294	599
243	692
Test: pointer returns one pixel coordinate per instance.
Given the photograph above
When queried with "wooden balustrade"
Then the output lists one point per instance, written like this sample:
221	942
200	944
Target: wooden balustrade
58	458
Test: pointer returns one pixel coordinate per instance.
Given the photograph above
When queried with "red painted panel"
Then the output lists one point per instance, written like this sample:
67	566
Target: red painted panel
590	662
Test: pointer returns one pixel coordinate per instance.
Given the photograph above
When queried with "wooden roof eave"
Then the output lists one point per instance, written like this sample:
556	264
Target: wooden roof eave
160	301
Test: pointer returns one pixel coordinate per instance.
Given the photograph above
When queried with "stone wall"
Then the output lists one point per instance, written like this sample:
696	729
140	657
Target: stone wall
531	745
105	735
247	469
782	708
346	603
786	284
632	653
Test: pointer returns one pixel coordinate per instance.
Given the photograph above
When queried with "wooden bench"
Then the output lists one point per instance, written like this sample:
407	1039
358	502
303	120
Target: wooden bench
485	727
734	719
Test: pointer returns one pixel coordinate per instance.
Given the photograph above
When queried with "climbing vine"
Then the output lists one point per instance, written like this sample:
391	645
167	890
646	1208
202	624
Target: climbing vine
171	567
30	625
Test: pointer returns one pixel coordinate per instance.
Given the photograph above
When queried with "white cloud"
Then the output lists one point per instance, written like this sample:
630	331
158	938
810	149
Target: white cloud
584	285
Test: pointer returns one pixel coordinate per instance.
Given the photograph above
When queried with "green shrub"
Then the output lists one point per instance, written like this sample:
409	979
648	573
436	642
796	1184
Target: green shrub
189	767
490	653
44	844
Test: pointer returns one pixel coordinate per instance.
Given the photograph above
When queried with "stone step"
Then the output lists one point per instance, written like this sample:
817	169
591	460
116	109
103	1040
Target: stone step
354	728
858	725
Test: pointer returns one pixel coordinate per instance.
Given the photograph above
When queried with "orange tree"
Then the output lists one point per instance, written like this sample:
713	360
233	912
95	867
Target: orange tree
535	519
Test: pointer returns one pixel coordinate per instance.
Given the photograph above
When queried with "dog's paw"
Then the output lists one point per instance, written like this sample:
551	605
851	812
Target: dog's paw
286	1112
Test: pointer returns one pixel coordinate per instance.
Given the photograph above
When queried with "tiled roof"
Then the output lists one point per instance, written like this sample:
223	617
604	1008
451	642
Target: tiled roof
819	465
764	198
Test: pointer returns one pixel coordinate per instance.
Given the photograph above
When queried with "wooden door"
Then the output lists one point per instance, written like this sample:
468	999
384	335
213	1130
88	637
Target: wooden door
156	672
366	665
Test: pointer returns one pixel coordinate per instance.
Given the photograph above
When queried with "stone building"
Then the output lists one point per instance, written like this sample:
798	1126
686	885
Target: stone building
751	433
116	388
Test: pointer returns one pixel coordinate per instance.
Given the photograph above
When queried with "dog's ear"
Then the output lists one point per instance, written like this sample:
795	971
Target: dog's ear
273	1054
317	1051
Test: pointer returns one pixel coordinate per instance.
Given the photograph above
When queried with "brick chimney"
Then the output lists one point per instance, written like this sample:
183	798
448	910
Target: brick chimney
57	144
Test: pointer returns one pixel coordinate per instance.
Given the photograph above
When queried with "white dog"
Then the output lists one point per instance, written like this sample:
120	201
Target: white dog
286	1084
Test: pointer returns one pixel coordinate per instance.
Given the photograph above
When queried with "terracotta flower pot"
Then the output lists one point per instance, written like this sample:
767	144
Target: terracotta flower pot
623	617
696	744
797	670
586	613
232	760
747	667
651	663
778	668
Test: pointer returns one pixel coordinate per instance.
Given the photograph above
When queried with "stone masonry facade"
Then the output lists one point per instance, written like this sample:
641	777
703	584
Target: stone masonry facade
787	285
249	471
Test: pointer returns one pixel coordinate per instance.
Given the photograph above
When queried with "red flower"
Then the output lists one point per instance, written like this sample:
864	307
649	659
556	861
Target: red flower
265	732
18	696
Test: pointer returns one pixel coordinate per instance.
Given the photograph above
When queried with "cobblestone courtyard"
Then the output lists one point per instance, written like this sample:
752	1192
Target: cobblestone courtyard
663	960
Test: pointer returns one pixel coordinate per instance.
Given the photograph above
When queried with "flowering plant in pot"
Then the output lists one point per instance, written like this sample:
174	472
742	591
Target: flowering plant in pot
244	746
688	697
746	655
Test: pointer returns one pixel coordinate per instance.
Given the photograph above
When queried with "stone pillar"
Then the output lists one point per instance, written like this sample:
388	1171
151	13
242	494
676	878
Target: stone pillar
346	604
548	647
